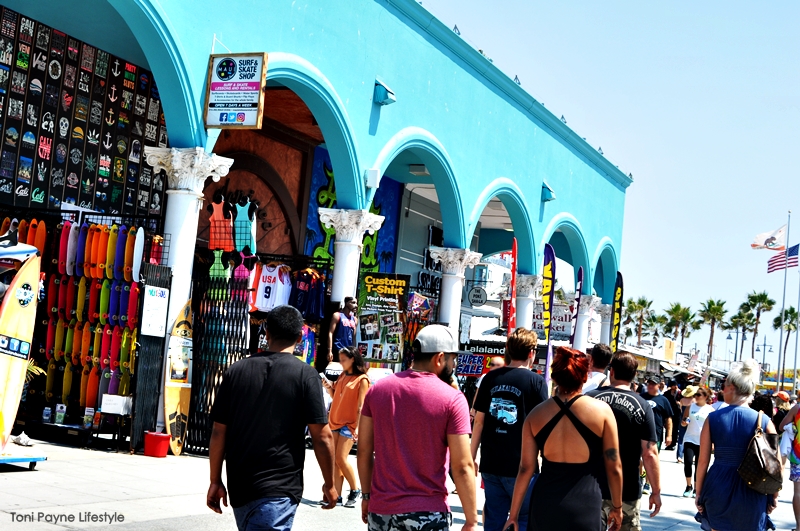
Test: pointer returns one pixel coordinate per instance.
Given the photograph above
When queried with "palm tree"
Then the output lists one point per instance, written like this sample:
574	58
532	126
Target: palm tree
758	303
638	310
673	322
687	323
790	325
712	312
655	326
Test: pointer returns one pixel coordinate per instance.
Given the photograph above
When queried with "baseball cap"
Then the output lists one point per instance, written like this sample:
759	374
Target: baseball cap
436	338
783	395
654	379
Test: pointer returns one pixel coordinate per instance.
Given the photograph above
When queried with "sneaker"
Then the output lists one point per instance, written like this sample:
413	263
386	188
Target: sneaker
338	501
352	498
687	492
694	493
646	489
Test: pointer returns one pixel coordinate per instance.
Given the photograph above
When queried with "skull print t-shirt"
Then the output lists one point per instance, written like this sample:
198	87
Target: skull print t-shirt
505	397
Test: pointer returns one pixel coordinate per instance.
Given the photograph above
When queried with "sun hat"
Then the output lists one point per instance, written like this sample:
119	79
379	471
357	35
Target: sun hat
690	391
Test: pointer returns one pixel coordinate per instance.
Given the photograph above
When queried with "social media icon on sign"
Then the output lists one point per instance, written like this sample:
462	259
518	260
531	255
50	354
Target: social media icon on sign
223	117
231	116
240	117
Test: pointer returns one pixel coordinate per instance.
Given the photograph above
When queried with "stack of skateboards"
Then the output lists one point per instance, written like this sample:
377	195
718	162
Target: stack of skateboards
86	325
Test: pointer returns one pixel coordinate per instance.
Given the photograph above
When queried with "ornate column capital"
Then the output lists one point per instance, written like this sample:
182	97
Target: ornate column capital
605	312
588	303
187	168
455	261
350	225
528	285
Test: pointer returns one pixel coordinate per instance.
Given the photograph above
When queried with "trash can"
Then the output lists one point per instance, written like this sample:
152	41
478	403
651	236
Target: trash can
156	444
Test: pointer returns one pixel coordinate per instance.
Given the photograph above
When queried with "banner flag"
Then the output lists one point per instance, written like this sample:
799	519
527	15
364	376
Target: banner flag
512	317
548	290
774	241
576	306
616	317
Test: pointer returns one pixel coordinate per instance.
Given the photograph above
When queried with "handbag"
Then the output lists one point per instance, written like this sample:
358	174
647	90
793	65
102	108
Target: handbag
761	467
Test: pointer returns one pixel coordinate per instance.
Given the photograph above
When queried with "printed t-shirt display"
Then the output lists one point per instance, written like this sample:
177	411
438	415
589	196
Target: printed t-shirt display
505	397
265	402
412	413
635	423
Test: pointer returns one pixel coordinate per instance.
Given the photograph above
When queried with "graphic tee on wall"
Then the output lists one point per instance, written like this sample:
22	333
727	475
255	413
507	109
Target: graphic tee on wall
74	121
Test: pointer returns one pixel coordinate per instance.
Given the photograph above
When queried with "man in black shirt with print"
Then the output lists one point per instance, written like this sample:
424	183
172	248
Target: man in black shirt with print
260	414
662	410
505	398
637	441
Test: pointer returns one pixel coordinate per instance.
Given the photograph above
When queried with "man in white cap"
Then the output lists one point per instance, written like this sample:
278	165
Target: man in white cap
411	422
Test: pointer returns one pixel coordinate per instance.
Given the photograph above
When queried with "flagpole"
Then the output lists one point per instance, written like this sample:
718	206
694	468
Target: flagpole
783	303
796	344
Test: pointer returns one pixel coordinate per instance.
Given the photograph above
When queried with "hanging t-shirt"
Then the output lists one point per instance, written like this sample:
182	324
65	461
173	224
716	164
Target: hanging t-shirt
635	423
697	417
505	397
273	287
302	290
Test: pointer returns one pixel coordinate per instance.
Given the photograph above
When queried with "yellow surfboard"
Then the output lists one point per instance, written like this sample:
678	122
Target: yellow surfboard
178	379
17	318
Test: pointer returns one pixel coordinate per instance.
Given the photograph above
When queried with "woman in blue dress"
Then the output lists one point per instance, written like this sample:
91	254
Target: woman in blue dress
724	502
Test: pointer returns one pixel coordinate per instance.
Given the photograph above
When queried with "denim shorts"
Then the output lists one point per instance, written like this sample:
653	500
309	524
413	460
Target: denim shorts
344	431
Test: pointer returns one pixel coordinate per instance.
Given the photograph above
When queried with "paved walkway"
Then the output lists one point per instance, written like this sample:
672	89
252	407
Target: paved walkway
169	494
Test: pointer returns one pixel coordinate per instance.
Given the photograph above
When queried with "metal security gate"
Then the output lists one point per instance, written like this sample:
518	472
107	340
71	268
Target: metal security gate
220	334
149	364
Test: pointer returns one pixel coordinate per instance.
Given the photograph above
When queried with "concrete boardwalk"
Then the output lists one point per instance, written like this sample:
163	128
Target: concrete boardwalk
169	494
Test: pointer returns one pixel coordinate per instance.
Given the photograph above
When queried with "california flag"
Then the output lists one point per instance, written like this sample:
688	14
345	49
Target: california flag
774	241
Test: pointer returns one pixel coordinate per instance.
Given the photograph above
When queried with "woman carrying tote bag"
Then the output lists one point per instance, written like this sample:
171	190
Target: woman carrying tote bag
724	501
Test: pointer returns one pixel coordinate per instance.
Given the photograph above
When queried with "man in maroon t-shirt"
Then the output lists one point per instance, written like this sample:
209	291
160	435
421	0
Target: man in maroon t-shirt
415	423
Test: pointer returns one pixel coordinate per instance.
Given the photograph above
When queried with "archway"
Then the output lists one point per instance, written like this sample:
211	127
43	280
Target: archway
605	271
565	235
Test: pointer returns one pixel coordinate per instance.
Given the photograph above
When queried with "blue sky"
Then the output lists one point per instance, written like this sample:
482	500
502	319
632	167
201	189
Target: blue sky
699	100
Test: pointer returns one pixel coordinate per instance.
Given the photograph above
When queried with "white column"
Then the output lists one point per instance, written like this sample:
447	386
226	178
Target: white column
588	303
605	323
350	226
528	287
454	263
187	170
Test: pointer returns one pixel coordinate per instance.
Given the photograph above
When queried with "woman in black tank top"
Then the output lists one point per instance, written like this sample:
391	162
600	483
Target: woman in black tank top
566	495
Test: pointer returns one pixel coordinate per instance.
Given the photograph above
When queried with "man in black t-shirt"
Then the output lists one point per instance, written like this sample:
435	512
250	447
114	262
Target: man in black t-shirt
505	398
637	441
260	414
662	411
673	396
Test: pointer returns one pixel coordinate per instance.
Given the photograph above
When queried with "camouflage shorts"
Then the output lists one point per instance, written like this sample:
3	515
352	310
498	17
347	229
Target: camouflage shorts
630	515
422	521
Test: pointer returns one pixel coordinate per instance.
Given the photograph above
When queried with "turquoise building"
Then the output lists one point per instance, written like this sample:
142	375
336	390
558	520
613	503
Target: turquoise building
388	91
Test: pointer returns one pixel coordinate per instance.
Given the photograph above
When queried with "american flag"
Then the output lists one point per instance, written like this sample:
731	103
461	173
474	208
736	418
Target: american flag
778	262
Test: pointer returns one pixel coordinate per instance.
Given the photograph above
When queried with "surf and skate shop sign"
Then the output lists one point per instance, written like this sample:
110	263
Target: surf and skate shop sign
235	95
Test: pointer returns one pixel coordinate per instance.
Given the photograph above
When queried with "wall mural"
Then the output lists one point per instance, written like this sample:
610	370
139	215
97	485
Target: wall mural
75	121
379	248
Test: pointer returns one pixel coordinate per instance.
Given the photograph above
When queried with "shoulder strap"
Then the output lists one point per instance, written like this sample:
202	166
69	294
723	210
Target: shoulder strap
759	429
547	429
588	435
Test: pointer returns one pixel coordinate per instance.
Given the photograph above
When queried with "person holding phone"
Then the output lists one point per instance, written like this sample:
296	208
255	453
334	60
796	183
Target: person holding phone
348	394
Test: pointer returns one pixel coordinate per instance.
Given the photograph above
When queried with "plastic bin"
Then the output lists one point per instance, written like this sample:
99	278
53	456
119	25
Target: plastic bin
156	444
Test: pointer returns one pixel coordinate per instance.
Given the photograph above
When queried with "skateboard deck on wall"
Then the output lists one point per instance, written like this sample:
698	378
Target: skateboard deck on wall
102	249
105	364
88	255
22	231
80	253
62	247
80	303
130	244
31	236
105	299
124	363
138	251
72	248
119	258
17	319
178	379
113	303
116	375
111	251
94	298
94	376
69	339
41	237
133	305
86	360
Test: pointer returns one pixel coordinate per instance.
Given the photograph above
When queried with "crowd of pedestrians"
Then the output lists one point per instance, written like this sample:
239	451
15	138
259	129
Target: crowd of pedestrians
577	457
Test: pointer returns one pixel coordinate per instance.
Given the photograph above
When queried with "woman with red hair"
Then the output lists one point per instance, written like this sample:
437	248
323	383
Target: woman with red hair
577	437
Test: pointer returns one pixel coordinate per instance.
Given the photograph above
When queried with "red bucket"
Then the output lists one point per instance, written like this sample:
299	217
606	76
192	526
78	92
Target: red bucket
156	444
